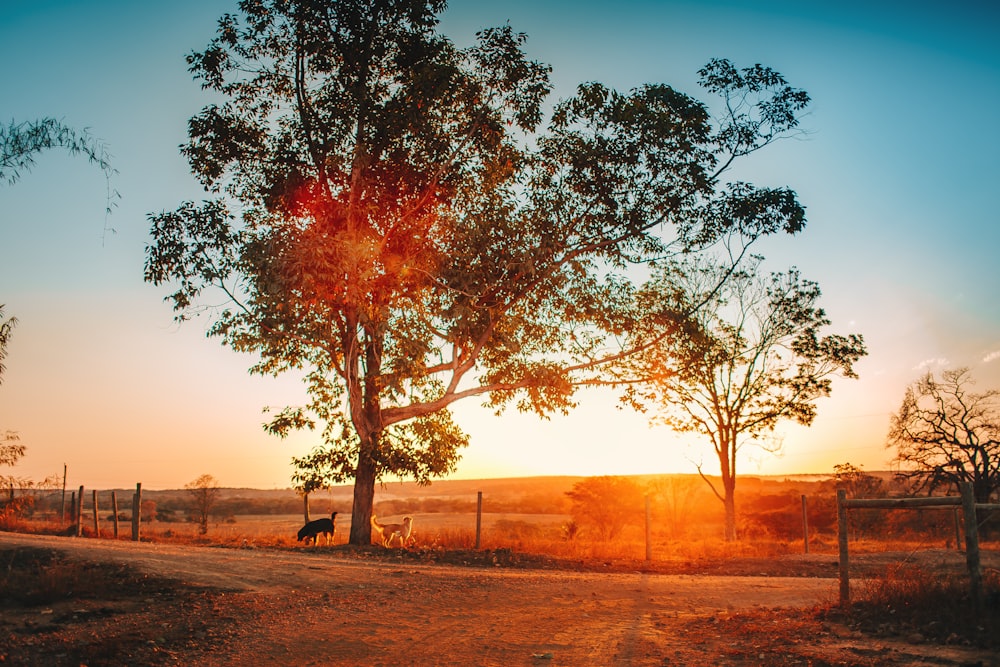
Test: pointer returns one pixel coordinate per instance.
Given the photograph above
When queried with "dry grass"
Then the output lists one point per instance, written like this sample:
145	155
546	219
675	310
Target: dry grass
911	602
542	534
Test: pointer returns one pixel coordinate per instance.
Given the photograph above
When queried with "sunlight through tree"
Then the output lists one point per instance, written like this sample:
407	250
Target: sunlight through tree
731	353
387	217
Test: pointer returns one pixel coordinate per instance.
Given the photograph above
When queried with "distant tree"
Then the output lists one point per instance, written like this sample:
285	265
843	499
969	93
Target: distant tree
388	218
315	472
6	327
676	495
945	434
859	484
731	353
203	493
148	511
606	505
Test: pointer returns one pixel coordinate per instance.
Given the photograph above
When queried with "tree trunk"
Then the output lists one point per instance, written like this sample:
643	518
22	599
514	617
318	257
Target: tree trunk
364	498
729	501
730	505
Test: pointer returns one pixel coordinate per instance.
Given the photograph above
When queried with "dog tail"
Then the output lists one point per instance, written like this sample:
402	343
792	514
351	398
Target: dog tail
375	523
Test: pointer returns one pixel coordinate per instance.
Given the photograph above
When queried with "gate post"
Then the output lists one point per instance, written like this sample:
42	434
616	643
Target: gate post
844	572
972	546
805	525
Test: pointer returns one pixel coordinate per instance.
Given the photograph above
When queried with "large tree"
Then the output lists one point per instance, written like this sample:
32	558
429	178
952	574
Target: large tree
945	434
386	217
732	352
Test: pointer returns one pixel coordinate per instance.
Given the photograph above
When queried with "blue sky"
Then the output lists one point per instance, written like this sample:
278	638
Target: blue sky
897	169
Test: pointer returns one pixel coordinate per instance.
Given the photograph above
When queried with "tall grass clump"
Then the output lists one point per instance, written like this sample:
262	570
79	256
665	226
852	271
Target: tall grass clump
42	576
918	604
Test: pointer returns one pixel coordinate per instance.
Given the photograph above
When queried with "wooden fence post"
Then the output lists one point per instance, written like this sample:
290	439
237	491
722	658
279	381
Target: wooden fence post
649	544
62	504
972	546
844	570
114	509
136	505
479	518
97	526
79	513
958	532
805	526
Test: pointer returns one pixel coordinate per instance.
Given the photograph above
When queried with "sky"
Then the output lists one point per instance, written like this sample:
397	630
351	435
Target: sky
897	168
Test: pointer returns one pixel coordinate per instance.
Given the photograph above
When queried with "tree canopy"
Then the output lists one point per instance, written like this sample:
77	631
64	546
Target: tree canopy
728	353
388	215
945	434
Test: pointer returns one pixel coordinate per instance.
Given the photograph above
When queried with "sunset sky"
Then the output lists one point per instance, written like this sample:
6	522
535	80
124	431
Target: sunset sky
898	170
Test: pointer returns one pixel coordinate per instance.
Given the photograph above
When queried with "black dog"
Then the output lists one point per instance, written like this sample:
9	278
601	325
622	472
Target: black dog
314	529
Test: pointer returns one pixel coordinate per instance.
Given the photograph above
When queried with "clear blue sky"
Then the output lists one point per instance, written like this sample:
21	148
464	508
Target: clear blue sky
898	171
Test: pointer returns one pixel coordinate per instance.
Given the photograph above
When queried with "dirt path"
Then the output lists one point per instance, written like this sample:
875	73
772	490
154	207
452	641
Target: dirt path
308	608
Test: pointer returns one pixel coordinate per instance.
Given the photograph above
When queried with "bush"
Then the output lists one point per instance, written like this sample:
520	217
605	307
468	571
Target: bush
910	601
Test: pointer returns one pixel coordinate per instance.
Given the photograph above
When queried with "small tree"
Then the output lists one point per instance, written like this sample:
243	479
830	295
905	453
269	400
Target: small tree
731	353
859	484
946	434
606	504
677	496
203	492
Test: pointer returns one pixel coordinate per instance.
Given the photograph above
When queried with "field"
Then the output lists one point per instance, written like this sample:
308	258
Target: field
248	593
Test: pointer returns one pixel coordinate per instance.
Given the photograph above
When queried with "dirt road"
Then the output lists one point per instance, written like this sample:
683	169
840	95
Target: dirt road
309	608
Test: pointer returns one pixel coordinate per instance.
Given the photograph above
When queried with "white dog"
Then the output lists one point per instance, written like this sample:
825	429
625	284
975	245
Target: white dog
388	531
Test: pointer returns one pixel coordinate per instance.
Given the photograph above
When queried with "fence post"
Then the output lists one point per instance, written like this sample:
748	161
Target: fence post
97	526
79	513
958	532
114	509
805	525
136	503
844	571
62	504
972	546
479	518
649	544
